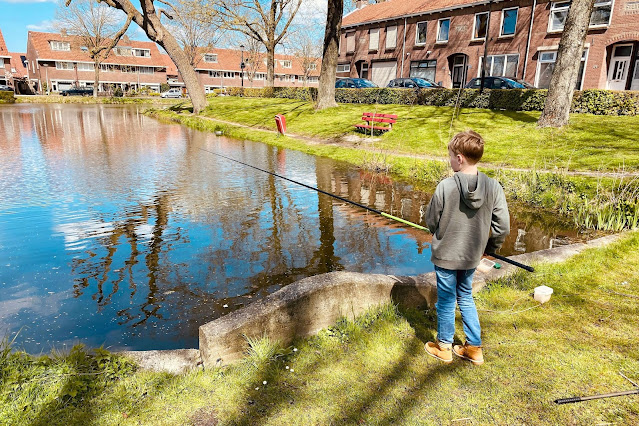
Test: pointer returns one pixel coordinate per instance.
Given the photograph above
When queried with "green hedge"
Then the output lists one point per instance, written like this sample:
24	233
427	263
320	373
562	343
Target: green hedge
7	97
595	101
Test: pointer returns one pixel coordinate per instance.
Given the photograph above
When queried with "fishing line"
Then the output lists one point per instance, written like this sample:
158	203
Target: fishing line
386	215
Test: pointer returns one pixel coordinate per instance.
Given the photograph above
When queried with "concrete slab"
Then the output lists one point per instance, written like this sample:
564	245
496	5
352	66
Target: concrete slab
173	361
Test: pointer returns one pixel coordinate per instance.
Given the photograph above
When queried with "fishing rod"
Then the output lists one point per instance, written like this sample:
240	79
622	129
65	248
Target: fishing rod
379	212
386	215
600	396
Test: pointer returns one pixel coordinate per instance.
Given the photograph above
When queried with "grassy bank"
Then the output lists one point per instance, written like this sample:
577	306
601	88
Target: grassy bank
593	143
375	371
58	99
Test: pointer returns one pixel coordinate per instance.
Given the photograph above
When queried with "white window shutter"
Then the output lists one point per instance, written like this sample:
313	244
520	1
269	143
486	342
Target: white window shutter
391	37
373	43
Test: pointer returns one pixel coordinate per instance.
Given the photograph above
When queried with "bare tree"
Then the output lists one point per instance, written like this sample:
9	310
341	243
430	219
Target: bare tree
254	57
266	21
306	53
564	77
326	91
148	18
192	32
98	27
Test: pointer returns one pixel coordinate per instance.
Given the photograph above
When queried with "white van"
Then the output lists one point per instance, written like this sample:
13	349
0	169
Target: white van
172	93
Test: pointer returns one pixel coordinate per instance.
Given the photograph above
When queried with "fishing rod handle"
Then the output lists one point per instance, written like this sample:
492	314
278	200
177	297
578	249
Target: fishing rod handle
512	262
568	400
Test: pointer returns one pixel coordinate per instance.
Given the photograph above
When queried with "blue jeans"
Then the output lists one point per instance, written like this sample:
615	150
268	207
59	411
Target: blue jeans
456	286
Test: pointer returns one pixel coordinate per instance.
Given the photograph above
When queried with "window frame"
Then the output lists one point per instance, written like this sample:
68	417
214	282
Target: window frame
55	45
475	38
59	66
141	49
554	9
372	48
392	28
346	68
286	63
351	35
601	3
417	43
213	55
501	27
439	26
584	59
489	72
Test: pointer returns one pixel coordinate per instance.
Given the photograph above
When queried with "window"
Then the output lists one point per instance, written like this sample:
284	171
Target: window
229	74
313	79
312	66
85	66
481	25
373	39
423	69
558	15
145	70
443	27
344	68
420	34
546	65
286	64
350	42
601	13
142	53
210	57
108	67
63	65
509	21
391	37
122	51
84	48
128	69
500	65
60	45
215	74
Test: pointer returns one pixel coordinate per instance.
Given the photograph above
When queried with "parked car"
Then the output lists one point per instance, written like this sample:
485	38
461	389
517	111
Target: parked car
172	93
5	88
499	83
413	83
78	91
354	83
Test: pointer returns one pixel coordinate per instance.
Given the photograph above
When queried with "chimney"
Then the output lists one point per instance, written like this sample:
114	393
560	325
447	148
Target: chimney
360	4
63	32
125	39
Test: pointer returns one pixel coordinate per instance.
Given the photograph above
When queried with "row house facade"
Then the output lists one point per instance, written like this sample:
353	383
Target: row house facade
58	61
5	62
446	40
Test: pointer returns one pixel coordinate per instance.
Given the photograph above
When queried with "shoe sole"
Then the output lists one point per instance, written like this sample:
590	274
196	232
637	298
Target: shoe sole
468	359
445	361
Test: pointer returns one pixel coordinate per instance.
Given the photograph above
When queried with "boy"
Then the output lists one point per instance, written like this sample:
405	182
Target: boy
468	216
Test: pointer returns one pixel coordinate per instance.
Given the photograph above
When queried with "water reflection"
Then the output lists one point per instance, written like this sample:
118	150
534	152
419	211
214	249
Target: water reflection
118	230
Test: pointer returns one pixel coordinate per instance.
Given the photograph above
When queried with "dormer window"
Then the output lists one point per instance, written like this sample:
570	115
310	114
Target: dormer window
210	57
122	51
286	64
84	48
142	53
60	45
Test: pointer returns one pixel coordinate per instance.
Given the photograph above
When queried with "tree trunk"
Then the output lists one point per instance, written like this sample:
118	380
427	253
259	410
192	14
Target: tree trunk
326	90
270	66
564	77
96	80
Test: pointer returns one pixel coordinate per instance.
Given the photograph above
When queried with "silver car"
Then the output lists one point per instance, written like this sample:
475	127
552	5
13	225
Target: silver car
172	93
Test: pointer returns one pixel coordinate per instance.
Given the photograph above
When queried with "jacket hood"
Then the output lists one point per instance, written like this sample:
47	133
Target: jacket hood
475	199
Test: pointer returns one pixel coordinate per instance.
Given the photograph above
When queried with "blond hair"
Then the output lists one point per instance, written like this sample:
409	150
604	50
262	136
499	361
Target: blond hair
469	144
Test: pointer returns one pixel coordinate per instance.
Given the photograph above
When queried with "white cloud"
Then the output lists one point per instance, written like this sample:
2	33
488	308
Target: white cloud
46	25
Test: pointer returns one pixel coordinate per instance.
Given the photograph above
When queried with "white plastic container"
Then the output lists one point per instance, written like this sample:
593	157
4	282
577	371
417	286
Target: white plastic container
542	293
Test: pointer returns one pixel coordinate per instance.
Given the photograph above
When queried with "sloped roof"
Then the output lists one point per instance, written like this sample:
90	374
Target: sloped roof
402	8
4	52
18	65
229	60
41	43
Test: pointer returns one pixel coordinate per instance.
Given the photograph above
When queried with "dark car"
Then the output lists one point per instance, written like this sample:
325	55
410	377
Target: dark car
5	88
413	83
78	91
499	83
354	83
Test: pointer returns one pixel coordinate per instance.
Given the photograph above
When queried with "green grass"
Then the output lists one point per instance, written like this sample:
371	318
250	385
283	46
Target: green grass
589	143
374	370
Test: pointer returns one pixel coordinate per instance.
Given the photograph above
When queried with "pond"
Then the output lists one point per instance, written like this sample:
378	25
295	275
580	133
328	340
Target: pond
121	231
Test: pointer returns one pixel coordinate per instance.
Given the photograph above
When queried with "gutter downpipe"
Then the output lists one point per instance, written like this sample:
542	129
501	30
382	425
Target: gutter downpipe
404	48
532	19
483	65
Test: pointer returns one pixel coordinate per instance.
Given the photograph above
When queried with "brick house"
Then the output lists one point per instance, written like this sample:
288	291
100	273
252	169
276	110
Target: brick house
62	61
445	41
5	62
219	68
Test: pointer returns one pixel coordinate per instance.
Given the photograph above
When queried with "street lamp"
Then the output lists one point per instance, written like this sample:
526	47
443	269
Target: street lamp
242	65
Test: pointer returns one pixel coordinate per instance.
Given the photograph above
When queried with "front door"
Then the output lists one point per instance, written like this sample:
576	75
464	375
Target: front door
619	66
634	85
459	71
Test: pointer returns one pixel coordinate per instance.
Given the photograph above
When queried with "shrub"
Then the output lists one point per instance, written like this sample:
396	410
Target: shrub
7	97
118	92
164	87
594	101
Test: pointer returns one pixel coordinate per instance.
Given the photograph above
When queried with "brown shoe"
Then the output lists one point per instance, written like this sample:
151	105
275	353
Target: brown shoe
471	353
441	351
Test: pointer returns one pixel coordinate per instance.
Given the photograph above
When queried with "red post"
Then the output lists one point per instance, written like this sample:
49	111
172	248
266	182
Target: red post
280	120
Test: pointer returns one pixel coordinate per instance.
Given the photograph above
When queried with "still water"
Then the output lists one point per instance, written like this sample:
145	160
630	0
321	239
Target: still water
120	231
